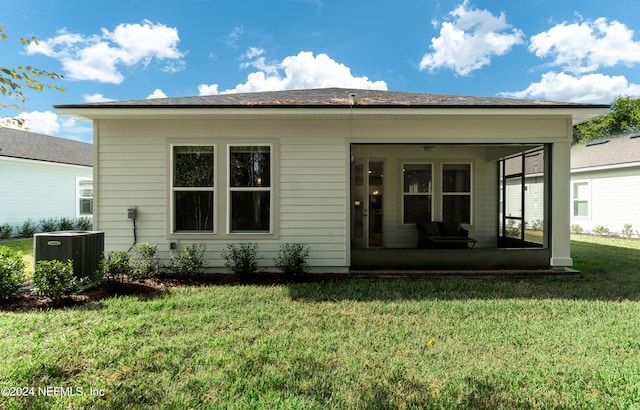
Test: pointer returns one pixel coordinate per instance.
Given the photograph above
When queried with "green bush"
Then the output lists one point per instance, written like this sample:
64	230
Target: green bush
601	230
49	225
54	279
117	266
11	272
292	259
66	224
189	261
241	259
27	229
5	231
627	231
577	229
145	261
84	224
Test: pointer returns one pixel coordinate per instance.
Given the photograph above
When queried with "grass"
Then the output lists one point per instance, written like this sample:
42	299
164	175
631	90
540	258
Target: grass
421	343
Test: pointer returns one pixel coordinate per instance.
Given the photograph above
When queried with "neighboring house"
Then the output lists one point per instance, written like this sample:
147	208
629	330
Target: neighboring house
348	172
605	185
43	177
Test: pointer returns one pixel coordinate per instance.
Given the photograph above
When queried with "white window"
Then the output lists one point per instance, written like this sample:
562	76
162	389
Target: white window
456	193
581	193
193	188
417	193
250	189
84	195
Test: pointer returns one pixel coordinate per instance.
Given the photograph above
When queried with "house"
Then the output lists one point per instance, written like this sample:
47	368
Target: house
348	172
605	185
43	177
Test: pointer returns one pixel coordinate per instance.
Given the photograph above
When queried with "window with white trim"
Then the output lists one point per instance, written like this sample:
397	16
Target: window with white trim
84	195
581	197
250	197
417	193
456	193
193	188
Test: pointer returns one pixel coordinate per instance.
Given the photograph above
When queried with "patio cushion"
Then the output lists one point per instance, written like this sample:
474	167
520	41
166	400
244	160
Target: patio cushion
450	228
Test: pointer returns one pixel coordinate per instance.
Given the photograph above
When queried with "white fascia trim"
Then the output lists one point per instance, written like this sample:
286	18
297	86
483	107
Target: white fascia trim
606	167
43	162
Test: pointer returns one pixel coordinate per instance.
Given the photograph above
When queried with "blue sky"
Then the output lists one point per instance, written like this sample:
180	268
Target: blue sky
582	51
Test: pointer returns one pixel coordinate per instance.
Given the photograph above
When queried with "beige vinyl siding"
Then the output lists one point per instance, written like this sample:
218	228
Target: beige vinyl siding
133	159
613	201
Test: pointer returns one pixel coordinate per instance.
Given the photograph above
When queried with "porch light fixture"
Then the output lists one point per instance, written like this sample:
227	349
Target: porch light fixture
353	99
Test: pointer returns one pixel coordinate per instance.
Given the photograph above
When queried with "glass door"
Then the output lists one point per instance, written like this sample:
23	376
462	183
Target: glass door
367	203
376	175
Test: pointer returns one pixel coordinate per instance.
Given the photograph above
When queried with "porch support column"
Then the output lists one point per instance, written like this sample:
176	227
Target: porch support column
560	205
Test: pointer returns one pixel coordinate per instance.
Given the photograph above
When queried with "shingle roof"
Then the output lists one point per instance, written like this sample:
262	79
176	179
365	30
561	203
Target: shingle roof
40	147
616	151
327	97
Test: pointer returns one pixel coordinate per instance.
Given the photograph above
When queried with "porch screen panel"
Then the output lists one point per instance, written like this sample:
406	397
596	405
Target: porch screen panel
456	193
250	188
193	188
417	193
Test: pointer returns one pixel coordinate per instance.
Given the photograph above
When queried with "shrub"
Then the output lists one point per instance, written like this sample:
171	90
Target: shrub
54	279
292	259
601	230
117	266
627	231
5	231
11	272
66	224
189	261
27	229
145	261
577	229
49	225
84	224
537	225
241	259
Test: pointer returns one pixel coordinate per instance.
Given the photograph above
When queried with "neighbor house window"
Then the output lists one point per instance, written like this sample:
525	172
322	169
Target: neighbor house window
417	193
581	195
250	187
193	188
456	193
85	197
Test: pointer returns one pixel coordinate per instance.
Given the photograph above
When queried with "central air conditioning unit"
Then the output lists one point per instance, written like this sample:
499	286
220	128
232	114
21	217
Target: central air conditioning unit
84	248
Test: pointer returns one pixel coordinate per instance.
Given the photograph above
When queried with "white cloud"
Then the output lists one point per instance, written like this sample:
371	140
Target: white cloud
232	39
469	41
301	71
157	93
101	57
205	89
587	46
590	88
49	123
94	98
39	122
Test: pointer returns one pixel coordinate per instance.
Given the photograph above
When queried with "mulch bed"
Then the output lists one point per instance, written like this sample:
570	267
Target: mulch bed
148	289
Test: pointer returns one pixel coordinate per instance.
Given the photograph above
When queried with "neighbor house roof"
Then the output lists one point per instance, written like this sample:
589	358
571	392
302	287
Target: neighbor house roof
614	152
336	98
40	147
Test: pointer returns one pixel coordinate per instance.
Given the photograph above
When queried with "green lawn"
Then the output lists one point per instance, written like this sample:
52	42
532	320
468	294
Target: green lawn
421	343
